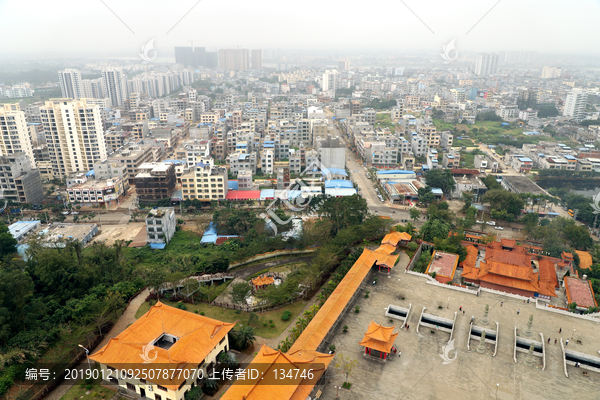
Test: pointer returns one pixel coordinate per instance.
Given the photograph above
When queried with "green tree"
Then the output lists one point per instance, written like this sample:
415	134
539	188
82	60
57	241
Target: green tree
194	393
434	229
244	336
8	244
442	179
344	211
415	214
239	291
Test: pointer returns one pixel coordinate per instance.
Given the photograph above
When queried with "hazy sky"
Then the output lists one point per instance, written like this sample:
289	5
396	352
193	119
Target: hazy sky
88	27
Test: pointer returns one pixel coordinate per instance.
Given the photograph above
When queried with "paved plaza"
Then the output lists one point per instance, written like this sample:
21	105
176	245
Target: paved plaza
419	372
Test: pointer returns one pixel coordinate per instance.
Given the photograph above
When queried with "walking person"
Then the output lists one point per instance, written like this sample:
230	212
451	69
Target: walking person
559	330
567	342
501	303
460	308
548	340
554	341
518	311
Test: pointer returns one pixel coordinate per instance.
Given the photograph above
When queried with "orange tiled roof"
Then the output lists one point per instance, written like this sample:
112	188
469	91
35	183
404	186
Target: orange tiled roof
548	272
513	276
266	361
471	259
585	259
198	336
263	280
508	257
387	260
580	291
566	256
379	337
386	249
395	237
312	336
508	242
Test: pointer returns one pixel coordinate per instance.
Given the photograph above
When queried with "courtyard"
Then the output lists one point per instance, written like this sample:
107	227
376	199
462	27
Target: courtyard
419	373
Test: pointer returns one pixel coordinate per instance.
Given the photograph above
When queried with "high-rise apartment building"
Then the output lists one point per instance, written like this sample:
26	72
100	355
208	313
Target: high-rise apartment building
575	104
551	72
195	57
70	84
343	65
330	79
14	134
19	182
73	131
234	59
115	85
256	59
486	64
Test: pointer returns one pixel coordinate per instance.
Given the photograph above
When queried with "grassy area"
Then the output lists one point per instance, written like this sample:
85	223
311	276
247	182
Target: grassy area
80	391
287	267
67	341
462	143
229	315
468	159
384	120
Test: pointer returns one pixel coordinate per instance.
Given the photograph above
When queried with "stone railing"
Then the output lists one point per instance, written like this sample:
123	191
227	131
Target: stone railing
543	351
589	317
515	296
432	281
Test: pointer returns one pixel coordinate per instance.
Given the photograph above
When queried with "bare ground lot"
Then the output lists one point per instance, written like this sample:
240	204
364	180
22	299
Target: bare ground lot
111	233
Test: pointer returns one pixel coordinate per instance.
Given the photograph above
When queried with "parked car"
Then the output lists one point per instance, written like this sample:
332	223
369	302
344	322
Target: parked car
479	222
492	223
74	213
499	228
65	213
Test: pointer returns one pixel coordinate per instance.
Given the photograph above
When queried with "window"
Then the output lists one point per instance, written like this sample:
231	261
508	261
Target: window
161	388
131	387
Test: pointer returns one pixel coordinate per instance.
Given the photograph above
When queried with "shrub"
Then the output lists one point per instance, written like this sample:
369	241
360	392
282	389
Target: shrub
272	325
201	312
345	328
88	387
346	385
270	321
181	306
367	294
152	303
357	309
332	348
286	315
265	324
89	380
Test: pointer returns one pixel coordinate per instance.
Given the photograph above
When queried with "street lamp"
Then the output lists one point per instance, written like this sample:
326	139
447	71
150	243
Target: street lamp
573	334
448	306
497	386
87	355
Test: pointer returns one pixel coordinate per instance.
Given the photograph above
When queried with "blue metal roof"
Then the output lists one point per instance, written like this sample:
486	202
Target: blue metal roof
338	183
232	185
337	171
157	246
394	171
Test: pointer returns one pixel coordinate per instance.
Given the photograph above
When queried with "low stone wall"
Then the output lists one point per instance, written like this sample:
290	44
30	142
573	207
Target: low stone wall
515	296
589	317
271	254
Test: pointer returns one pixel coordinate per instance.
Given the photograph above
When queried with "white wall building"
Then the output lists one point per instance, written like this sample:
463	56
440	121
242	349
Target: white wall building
70	84
14	134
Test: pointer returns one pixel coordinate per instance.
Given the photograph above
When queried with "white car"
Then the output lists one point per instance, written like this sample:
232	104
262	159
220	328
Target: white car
74	213
499	228
479	222
65	213
492	223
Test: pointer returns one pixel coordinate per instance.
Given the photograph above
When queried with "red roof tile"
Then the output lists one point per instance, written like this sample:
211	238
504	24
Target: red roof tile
580	291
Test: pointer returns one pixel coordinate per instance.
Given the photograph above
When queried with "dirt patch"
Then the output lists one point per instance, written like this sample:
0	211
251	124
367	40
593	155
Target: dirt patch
111	233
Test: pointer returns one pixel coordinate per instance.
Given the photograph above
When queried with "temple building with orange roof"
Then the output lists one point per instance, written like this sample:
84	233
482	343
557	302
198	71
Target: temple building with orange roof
165	338
379	340
397	239
261	282
273	381
580	292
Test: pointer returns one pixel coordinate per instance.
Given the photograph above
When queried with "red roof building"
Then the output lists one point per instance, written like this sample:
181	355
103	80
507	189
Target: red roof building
580	292
243	195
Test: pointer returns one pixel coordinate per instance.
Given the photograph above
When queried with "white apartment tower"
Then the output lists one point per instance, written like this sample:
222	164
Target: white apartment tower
14	134
551	72
486	64
575	104
330	80
115	85
70	84
73	130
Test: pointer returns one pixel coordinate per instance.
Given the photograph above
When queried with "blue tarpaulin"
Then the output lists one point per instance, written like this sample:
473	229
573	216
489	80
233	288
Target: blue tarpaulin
157	246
